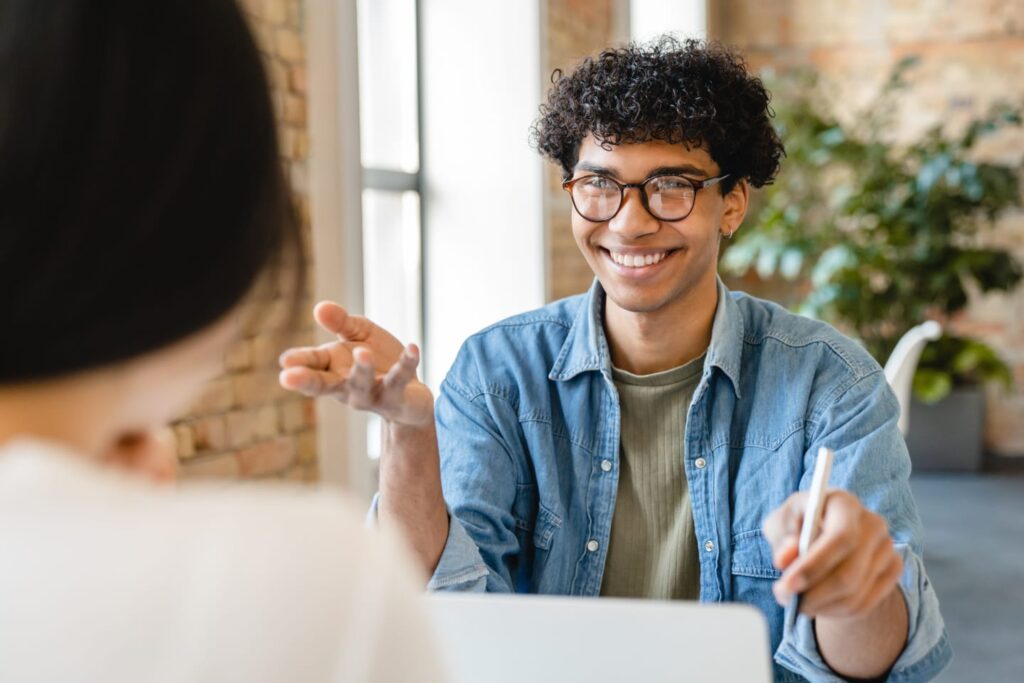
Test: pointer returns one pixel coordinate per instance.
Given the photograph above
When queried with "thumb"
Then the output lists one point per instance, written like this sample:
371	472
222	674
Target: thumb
337	320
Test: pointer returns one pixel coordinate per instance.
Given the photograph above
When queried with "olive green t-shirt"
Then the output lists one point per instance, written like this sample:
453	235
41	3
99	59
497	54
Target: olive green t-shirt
653	550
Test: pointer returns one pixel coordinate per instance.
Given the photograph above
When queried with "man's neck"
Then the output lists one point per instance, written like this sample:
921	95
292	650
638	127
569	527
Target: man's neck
645	343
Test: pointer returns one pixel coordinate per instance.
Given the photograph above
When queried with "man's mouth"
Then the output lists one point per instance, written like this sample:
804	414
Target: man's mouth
637	259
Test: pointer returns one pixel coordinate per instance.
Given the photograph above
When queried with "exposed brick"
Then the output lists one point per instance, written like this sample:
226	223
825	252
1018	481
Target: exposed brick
237	428
223	466
275	11
247	426
183	437
266	350
293	416
258	388
307	449
264	38
294	110
297	79
300	145
238	356
267	457
278	72
295	16
241	428
288	45
309	408
210	433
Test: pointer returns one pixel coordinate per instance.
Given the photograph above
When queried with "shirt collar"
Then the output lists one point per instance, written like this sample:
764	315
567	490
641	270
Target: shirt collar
586	347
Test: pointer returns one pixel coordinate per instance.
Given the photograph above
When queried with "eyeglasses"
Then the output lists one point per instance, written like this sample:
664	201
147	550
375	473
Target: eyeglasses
598	198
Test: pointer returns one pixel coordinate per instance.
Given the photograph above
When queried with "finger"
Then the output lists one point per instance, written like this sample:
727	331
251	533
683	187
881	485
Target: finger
403	372
826	553
310	382
313	357
842	528
786	553
337	320
843	585
881	575
871	545
361	380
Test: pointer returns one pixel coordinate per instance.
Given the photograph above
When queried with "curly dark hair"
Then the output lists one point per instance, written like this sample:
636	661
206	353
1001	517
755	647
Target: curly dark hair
692	92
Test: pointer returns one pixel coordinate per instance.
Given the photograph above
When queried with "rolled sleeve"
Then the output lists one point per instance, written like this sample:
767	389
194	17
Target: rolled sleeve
872	462
925	655
460	567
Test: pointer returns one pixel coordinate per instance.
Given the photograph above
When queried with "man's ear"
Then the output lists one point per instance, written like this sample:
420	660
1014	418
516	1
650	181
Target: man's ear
150	453
735	209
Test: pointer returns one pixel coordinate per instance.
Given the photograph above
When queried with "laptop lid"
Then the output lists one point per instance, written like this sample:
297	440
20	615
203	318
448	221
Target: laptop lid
516	638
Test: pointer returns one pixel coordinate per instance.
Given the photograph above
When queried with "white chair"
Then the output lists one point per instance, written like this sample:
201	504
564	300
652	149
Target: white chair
900	368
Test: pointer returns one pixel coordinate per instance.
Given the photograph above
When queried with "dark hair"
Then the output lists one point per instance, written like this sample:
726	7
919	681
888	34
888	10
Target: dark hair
141	191
690	92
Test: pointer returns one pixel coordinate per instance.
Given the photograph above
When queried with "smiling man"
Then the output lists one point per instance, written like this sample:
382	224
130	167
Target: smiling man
652	437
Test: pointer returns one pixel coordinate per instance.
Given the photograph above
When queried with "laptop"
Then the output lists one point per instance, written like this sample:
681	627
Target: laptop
517	638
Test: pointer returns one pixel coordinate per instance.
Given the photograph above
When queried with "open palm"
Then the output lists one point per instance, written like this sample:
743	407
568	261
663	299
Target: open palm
367	368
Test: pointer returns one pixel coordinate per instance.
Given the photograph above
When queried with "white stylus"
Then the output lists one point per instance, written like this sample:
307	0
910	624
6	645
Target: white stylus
812	513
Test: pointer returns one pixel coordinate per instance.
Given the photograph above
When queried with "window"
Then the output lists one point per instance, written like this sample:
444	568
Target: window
390	143
389	113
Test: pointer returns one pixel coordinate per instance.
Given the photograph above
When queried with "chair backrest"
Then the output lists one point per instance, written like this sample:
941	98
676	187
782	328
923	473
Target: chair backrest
900	368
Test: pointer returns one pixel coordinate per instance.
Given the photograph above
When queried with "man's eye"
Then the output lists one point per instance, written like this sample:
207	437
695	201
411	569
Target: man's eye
673	184
598	183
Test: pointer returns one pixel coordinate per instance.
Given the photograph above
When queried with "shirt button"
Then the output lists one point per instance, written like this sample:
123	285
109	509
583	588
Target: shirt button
700	463
708	545
592	546
606	465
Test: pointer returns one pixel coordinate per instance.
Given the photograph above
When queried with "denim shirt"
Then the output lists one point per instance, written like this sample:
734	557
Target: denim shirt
528	424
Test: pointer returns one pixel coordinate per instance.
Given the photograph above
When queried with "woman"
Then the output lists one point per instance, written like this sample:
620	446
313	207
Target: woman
141	199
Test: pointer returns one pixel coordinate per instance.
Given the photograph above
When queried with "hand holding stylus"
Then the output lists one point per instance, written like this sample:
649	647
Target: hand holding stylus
848	568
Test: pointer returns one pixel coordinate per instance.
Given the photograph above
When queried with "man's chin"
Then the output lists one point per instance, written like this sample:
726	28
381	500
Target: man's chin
634	300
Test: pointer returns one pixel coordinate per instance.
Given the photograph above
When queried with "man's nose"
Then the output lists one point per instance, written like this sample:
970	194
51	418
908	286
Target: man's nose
633	220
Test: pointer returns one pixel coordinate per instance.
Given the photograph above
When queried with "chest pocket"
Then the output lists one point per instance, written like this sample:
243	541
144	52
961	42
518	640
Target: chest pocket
752	556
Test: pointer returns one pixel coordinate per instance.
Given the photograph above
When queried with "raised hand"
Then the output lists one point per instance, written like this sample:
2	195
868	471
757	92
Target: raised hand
367	368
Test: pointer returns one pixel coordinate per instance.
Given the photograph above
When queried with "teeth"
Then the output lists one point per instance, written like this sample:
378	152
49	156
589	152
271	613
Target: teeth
637	260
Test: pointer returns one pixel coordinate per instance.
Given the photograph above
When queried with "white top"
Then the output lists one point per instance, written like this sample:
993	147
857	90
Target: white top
108	578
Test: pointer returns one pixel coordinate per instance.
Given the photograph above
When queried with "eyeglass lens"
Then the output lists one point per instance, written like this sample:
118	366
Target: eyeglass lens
597	198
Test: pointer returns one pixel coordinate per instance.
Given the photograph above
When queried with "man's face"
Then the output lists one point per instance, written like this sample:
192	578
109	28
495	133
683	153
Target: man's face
684	252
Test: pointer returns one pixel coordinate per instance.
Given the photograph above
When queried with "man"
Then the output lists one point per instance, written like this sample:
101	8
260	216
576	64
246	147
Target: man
650	438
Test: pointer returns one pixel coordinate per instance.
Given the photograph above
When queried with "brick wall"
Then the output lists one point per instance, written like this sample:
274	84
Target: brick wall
245	425
972	54
573	29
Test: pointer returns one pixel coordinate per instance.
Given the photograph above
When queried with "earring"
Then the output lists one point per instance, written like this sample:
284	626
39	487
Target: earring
729	235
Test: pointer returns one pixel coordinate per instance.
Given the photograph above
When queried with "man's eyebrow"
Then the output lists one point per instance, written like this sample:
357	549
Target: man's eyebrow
683	169
594	168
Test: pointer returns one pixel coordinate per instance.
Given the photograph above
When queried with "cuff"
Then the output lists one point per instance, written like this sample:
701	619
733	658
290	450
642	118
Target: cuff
927	651
460	568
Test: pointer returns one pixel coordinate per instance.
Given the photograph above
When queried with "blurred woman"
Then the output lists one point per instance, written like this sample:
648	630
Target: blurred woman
141	200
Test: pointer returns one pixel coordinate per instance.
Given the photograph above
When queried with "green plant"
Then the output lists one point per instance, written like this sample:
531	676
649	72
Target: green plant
884	235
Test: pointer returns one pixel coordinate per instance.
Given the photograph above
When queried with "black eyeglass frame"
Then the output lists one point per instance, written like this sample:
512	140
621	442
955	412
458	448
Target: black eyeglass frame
698	185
